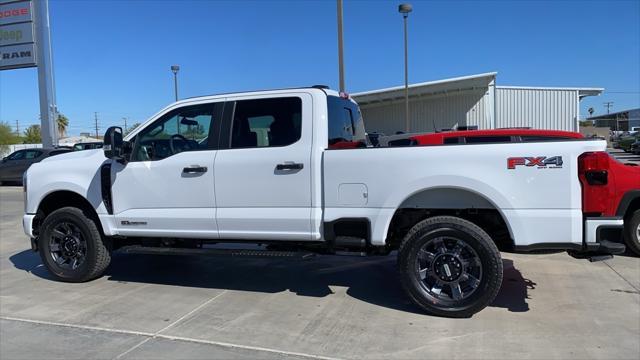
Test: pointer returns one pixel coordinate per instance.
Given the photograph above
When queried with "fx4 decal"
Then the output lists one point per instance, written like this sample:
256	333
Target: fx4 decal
553	162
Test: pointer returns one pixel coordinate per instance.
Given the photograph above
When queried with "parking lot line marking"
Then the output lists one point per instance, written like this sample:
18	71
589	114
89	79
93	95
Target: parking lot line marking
191	312
168	326
133	348
247	347
84	327
620	275
170	337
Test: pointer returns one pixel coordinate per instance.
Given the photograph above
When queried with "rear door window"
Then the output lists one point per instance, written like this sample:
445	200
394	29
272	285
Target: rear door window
266	122
33	154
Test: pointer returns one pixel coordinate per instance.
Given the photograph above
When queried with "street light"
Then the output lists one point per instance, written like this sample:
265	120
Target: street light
175	69
405	9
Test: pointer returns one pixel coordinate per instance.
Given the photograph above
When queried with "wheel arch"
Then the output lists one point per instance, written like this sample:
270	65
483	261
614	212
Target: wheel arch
459	201
629	203
64	198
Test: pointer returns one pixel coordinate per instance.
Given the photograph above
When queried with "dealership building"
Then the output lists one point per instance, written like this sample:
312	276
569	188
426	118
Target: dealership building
626	120
473	100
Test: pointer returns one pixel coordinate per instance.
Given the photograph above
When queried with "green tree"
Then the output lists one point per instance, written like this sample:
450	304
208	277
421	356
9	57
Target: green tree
62	122
7	137
32	135
131	128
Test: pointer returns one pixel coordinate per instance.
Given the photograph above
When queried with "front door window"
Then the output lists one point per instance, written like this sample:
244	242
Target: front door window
184	129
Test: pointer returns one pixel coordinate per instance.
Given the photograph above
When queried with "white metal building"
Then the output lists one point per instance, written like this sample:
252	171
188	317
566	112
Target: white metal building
472	100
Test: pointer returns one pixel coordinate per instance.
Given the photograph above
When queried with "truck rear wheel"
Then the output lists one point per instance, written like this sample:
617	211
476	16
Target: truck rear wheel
632	232
71	246
449	266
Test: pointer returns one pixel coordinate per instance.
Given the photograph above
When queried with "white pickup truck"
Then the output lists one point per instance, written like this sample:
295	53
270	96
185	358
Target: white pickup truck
290	170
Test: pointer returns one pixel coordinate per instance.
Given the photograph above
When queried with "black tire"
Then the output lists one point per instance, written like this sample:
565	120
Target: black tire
479	257
632	232
95	248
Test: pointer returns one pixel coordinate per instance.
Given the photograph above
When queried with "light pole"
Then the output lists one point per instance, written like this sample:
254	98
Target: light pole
175	69
405	9
340	47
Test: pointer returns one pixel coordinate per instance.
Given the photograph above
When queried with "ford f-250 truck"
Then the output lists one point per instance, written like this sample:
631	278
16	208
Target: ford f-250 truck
272	168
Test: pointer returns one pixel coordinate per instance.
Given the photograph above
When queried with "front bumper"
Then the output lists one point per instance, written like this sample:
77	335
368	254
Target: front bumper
27	224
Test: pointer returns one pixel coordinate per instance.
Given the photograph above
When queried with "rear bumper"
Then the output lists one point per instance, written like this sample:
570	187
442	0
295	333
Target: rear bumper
602	235
603	228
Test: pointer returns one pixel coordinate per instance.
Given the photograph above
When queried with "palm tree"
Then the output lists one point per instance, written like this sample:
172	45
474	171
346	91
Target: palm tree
62	122
32	135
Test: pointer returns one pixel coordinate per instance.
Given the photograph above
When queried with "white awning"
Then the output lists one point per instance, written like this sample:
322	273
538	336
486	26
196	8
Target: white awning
464	83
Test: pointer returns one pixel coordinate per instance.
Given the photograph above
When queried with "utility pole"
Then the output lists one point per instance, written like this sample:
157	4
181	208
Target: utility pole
17	128
95	114
46	83
608	105
340	47
125	123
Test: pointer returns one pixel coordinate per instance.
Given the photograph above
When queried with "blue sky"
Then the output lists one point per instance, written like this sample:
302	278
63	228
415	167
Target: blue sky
113	57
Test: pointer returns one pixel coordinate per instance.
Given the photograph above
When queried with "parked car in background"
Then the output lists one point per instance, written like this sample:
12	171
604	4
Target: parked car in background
373	138
625	142
493	136
635	148
15	164
87	146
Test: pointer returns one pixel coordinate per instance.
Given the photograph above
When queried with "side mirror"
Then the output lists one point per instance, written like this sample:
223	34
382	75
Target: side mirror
113	143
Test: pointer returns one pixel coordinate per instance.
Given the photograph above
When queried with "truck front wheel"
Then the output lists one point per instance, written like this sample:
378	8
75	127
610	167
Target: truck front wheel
449	266
71	246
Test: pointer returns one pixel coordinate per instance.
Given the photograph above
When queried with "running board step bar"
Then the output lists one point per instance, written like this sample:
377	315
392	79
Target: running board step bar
350	242
150	250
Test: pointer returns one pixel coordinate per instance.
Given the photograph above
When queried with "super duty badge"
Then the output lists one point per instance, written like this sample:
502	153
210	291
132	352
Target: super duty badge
542	162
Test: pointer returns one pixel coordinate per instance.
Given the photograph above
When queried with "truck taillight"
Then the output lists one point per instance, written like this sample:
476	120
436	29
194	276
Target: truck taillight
593	171
595	167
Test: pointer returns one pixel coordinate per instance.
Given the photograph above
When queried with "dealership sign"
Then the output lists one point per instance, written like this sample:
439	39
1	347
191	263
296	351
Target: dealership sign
17	41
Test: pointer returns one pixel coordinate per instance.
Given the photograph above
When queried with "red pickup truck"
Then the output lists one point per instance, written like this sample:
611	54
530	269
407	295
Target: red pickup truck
618	193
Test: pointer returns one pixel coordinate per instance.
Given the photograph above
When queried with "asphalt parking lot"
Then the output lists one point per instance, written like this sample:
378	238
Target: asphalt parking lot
550	306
